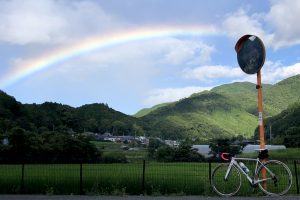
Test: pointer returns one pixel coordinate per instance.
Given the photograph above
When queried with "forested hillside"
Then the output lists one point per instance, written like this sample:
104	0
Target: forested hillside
146	111
54	116
284	127
227	110
51	132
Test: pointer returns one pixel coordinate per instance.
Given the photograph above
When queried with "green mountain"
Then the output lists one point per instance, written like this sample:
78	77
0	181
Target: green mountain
100	118
227	110
284	127
63	118
146	111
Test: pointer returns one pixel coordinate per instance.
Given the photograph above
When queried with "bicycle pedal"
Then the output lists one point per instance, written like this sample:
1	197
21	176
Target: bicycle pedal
275	181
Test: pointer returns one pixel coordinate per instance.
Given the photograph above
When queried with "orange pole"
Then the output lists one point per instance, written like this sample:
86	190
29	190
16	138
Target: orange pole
260	112
261	122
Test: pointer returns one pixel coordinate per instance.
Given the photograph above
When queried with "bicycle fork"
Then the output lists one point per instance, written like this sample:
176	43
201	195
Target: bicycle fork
228	171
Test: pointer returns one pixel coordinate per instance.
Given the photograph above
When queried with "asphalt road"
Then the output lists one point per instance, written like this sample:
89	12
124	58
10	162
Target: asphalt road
40	197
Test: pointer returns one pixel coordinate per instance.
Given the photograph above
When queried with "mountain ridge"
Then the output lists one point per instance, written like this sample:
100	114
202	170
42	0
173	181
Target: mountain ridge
233	109
224	111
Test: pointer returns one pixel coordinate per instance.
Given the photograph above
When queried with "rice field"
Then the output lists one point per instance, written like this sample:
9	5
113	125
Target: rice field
114	179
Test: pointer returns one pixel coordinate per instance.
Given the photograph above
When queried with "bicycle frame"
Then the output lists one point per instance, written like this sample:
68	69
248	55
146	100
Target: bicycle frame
253	180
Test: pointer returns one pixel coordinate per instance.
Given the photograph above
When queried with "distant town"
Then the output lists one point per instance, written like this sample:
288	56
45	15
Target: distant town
204	149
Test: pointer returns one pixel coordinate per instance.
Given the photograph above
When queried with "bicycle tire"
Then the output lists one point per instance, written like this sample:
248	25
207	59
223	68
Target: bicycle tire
281	183
224	187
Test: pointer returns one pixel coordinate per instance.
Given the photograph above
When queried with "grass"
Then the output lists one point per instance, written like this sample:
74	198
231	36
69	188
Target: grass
107	145
119	179
280	154
160	178
132	155
115	179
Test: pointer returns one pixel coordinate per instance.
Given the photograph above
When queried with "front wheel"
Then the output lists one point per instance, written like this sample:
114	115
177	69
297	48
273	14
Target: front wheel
227	187
278	178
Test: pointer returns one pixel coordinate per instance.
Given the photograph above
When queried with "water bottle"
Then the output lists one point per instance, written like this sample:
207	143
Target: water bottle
243	166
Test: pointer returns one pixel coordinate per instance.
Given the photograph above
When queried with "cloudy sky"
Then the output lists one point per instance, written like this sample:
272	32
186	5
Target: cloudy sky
144	71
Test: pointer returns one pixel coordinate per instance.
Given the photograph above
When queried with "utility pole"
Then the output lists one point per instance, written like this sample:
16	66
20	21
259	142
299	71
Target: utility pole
270	132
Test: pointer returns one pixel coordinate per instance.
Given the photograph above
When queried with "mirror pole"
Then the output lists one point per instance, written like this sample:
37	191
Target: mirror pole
260	111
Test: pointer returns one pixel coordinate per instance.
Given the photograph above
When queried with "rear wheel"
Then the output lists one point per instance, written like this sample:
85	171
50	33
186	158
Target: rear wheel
278	178
227	187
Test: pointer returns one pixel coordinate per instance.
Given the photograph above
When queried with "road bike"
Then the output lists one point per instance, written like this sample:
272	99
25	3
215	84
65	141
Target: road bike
273	177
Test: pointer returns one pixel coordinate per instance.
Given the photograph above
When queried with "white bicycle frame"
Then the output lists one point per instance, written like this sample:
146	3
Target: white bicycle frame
253	181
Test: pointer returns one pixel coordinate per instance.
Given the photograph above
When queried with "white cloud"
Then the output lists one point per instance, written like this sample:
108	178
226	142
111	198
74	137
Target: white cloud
188	51
240	23
50	21
273	72
129	67
136	62
277	27
158	96
212	72
284	17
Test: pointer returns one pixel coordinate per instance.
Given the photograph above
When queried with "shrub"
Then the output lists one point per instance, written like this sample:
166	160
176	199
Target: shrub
114	157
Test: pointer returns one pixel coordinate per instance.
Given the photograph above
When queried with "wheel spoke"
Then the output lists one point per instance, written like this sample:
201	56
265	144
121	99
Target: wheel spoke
278	178
227	187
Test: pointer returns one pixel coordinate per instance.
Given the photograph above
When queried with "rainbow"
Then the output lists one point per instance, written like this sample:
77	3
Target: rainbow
97	43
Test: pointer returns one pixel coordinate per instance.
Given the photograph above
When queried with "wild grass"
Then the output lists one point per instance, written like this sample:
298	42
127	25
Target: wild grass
116	179
132	155
280	154
160	178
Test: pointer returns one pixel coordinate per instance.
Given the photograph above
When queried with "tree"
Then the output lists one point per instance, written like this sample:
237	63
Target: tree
223	145
137	130
292	137
18	138
185	153
165	153
118	127
154	144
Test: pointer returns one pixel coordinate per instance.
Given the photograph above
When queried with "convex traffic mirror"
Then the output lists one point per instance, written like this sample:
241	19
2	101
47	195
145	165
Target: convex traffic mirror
251	53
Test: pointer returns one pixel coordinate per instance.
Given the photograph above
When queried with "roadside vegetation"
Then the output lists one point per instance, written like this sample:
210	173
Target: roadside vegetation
280	154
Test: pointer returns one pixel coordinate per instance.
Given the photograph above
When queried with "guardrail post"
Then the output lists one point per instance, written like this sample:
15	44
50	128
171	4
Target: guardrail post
209	171
143	177
296	174
80	180
22	179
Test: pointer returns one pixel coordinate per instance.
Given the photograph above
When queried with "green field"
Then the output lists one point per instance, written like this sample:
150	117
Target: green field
134	154
281	154
160	178
114	179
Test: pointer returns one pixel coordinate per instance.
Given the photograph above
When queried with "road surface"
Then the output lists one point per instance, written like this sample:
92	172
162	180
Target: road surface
43	197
